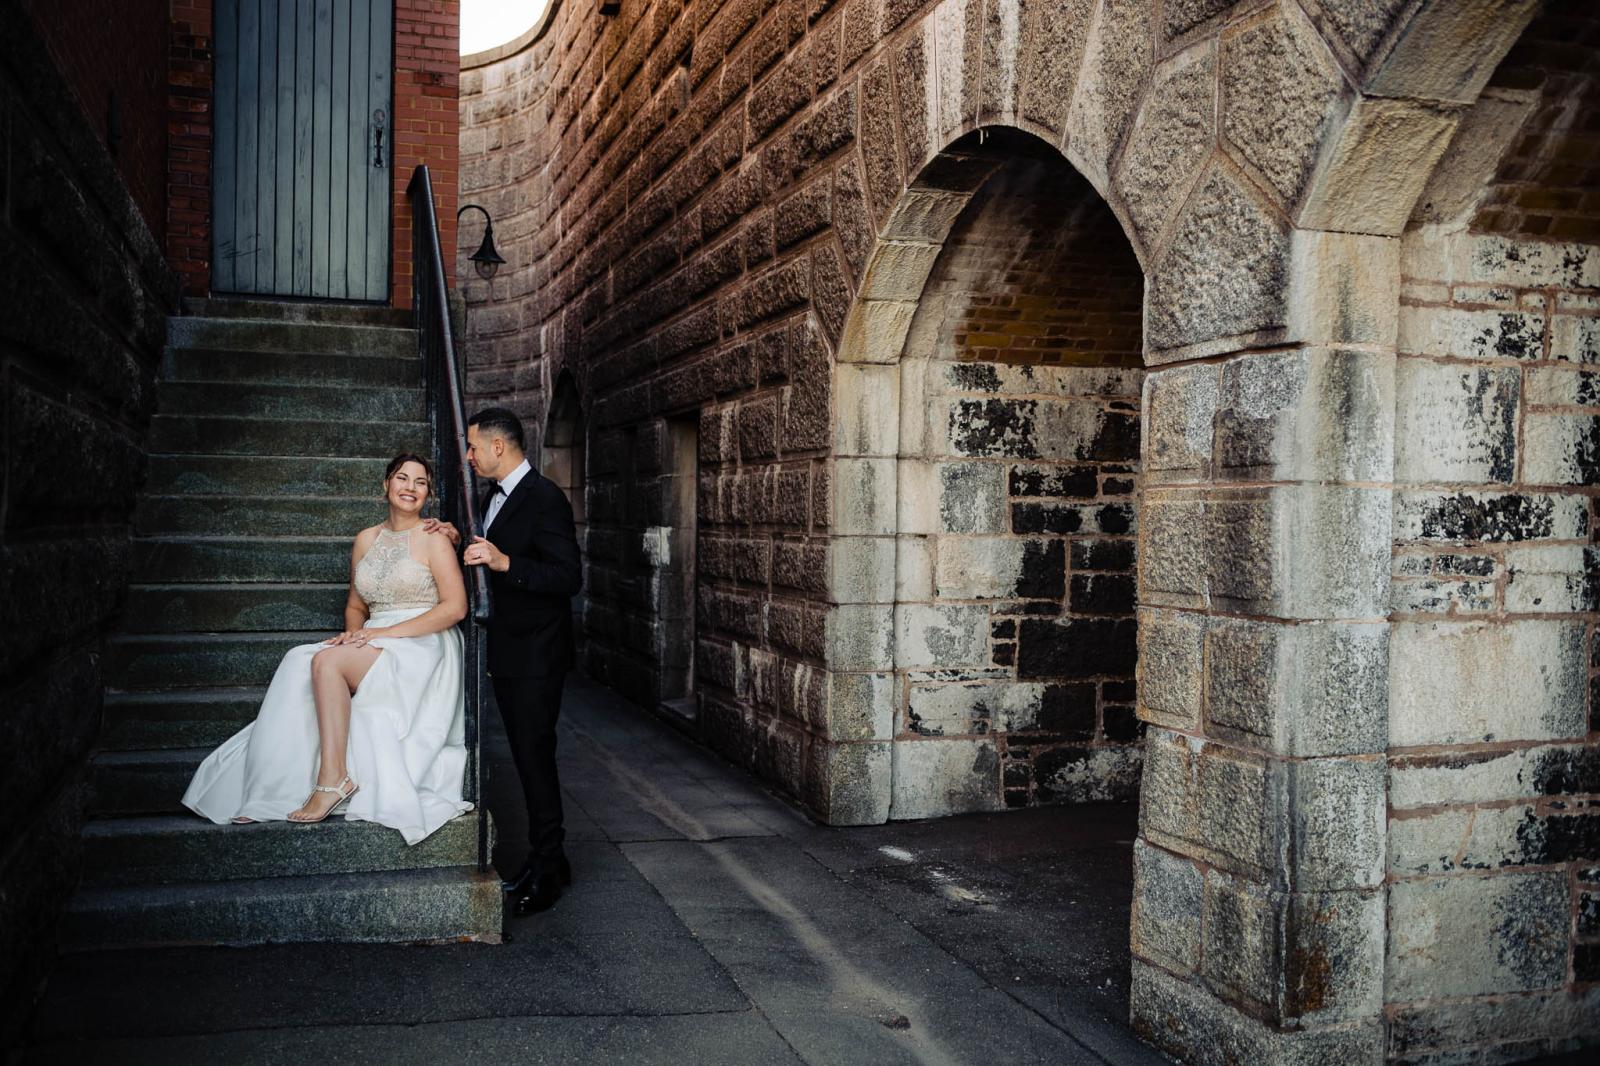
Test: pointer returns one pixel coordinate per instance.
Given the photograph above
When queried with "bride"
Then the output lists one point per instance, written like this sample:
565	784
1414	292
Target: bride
369	721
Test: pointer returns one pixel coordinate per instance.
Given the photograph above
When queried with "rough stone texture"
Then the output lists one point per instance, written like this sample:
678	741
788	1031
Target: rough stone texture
77	370
1223	274
1171	137
1463	936
944	777
1279	86
1455	423
1270	548
1463	682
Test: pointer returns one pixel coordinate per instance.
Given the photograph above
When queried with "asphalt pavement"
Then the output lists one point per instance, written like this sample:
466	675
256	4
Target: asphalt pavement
710	922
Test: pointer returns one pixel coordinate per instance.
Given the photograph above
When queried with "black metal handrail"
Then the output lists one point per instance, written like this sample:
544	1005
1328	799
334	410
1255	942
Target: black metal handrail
441	374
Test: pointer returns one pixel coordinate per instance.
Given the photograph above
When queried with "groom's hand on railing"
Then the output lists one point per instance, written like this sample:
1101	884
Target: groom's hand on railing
481	553
434	525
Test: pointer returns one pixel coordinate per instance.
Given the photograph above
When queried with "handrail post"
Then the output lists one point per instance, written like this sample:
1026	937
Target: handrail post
448	432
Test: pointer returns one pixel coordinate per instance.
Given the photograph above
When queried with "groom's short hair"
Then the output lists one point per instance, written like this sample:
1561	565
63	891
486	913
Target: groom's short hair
501	422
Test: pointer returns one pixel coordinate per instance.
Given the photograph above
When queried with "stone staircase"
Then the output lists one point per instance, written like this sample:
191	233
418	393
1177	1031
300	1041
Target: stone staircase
274	425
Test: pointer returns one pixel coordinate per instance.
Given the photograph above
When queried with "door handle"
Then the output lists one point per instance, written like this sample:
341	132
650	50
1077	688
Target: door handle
378	118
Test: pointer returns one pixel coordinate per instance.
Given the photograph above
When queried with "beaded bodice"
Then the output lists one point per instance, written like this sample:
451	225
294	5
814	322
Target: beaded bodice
389	579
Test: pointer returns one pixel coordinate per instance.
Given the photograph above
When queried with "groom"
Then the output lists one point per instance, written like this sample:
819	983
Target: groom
531	550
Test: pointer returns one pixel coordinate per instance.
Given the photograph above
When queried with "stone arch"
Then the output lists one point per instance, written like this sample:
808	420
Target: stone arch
970	722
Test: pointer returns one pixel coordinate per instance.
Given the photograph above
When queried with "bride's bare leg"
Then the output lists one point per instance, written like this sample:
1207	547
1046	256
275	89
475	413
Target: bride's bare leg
336	672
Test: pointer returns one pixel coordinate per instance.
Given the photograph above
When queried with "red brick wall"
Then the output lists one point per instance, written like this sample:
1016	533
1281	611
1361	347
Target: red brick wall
189	70
427	76
1548	185
424	126
115	46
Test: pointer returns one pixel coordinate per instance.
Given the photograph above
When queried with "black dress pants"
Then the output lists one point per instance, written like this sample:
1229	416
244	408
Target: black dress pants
529	706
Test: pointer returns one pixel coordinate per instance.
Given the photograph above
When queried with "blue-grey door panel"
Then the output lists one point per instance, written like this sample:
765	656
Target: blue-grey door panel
300	187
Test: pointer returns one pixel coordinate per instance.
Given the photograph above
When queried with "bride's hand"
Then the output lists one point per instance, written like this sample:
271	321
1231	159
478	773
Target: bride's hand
433	525
358	637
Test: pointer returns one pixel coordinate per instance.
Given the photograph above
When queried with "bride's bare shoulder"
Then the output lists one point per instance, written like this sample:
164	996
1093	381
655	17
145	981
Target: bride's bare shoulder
365	538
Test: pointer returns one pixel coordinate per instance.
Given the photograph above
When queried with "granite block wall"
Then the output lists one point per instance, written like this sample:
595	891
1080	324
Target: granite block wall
87	300
756	220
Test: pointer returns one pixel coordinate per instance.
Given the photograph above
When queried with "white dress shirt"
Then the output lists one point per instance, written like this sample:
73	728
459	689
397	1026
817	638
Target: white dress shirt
507	485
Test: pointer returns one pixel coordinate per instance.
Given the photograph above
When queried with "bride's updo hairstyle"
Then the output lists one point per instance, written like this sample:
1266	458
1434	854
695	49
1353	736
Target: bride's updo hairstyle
401	460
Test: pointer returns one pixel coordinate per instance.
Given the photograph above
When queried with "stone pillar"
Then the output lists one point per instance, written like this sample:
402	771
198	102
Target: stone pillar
1258	919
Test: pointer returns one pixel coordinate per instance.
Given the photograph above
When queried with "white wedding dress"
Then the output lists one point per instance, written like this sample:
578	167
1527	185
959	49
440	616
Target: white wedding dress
406	748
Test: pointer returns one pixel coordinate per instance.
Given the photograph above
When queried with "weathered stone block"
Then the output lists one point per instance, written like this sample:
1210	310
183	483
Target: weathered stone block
1167	893
1086	775
1488	776
1463	334
1238	807
864	495
1552	580
1279	86
866	409
1342	288
983	567
1514	1025
1302	551
971	498
1469	682
1117	55
1575	339
1173	549
933	778
1169	794
1561	449
861	706
1077	647
1184	1019
1171	137
860	637
849	783
1360	187
1307	415
861	569
1224	274
1469	936
1477	32
944	637
1179	414
1169	665
1488	516
1335	810
1305	690
1050	50
1454	422
988	707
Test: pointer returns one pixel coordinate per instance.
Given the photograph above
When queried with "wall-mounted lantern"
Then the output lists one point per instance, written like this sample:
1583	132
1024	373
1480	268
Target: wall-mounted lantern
485	260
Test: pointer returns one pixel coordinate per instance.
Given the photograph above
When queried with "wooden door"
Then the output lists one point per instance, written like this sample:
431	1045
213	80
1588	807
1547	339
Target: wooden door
300	162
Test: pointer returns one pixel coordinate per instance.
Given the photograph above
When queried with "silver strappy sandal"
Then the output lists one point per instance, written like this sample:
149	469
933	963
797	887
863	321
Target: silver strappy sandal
338	790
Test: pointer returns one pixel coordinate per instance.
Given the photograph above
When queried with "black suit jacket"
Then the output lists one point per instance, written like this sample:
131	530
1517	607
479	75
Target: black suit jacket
530	633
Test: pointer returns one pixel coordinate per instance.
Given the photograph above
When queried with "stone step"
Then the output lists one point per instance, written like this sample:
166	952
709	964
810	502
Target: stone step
170	849
260	335
326	313
242	475
261	400
224	435
258	516
292	368
193	718
201	660
242	559
141	782
402	906
234	608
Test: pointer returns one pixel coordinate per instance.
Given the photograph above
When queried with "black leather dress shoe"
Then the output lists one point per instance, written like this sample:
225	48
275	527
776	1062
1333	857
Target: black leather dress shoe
522	879
540	896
